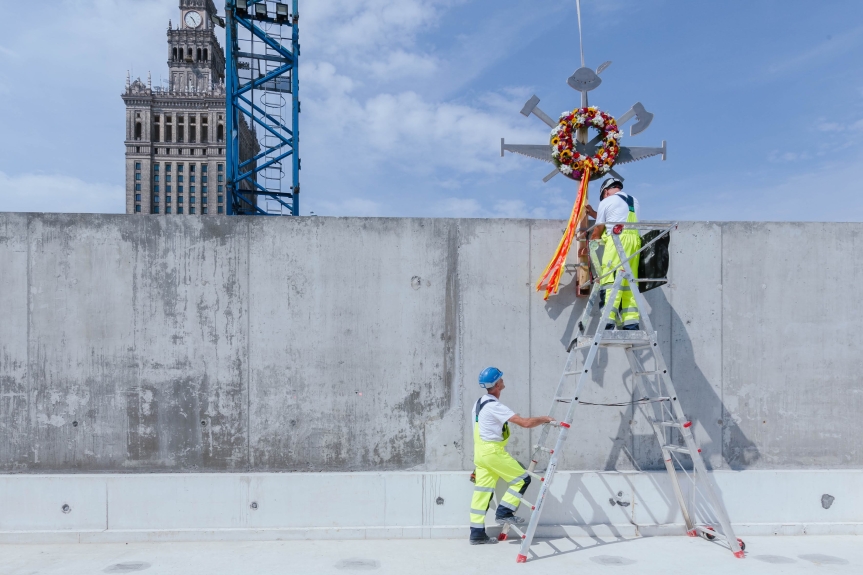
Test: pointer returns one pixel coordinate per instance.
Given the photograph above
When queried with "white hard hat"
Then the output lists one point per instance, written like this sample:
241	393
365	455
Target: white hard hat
608	182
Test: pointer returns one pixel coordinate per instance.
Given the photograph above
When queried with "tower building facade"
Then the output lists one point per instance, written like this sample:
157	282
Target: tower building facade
175	134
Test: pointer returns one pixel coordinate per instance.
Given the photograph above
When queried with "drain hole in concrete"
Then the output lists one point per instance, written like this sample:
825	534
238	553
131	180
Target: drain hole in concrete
439	500
65	508
127	567
827	500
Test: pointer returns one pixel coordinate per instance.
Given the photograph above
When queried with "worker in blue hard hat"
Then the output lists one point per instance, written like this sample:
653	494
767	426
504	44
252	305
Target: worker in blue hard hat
491	420
617	207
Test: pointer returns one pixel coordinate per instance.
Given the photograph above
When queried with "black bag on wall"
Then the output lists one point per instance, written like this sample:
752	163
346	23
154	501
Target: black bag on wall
654	260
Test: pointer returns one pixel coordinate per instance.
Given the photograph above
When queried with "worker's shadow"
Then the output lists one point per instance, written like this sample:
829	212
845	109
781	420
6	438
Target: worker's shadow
697	396
718	432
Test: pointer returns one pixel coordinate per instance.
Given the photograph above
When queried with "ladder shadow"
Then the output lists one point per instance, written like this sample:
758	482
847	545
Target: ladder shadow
735	448
703	403
599	517
578	547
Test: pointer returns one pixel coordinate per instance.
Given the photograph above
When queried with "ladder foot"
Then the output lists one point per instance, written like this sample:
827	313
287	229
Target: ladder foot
692	533
740	554
501	537
521	558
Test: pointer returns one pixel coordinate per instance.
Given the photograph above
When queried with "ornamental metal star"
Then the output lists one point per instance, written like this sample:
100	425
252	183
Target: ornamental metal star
584	80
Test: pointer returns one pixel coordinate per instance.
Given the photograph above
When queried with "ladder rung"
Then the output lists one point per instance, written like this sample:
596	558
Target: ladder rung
536	475
649	372
678	449
674	424
516	529
541	448
572	372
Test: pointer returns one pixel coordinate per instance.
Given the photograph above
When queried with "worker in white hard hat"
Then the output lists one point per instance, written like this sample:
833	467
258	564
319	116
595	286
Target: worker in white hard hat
491	420
617	207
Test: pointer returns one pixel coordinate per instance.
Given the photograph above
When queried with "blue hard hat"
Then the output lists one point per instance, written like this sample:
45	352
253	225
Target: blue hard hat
489	376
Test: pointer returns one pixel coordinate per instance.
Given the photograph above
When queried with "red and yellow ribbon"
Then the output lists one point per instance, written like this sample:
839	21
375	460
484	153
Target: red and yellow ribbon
550	278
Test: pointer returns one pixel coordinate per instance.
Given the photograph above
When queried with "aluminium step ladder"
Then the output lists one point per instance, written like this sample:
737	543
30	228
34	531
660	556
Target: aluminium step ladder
659	402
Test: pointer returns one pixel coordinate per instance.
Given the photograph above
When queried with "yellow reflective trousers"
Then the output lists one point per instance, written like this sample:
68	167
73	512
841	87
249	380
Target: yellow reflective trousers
624	312
493	463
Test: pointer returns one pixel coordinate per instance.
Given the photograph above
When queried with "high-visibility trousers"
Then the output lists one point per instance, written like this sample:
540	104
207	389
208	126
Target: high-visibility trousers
624	311
493	463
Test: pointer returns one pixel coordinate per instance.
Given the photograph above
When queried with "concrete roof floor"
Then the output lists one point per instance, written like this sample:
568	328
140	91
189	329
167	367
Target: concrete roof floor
666	555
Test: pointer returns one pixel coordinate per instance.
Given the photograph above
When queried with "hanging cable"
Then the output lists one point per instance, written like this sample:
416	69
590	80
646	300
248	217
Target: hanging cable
580	42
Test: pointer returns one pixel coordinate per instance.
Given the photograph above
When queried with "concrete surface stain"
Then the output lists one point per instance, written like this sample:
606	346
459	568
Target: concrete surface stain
127	567
612	560
820	559
354	564
776	559
827	500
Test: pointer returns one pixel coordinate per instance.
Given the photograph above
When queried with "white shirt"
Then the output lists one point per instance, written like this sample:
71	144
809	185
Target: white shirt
614	209
491	418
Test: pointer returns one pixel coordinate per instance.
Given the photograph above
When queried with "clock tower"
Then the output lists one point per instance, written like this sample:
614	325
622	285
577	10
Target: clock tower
175	132
195	59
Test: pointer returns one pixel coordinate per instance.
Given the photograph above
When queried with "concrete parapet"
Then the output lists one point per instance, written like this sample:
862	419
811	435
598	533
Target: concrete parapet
278	506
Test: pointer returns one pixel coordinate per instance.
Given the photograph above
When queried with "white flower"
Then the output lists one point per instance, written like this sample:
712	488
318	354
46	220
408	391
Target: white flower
555	154
565	170
617	135
564	115
598	122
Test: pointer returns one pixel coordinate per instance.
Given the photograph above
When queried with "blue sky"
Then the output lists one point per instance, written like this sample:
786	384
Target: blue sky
405	102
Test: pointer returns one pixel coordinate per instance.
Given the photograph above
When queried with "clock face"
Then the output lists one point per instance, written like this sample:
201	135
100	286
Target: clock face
193	19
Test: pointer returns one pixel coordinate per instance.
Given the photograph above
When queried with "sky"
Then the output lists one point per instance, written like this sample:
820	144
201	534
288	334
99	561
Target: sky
404	103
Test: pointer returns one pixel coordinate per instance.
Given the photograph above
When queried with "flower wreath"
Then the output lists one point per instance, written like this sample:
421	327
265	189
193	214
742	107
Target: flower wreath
568	160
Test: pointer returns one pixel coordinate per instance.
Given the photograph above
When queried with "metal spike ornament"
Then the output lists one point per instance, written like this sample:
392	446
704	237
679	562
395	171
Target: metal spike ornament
580	159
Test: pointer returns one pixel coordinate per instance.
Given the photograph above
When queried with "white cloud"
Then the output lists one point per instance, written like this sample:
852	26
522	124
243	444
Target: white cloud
459	208
794	196
58	193
402	64
350	207
820	53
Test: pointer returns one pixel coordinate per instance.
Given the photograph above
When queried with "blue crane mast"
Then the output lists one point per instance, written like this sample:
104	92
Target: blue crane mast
262	48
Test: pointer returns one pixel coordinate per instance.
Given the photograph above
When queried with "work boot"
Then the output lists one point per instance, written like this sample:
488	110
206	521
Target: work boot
633	327
484	540
609	326
510	518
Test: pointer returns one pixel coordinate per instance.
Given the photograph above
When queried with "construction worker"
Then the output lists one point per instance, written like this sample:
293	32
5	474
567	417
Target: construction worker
617	207
491	421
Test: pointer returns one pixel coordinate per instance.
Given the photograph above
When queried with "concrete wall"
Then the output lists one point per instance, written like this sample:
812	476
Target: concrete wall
341	344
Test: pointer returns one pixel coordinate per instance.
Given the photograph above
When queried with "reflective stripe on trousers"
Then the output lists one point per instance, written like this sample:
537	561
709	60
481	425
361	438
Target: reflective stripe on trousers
624	310
493	463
